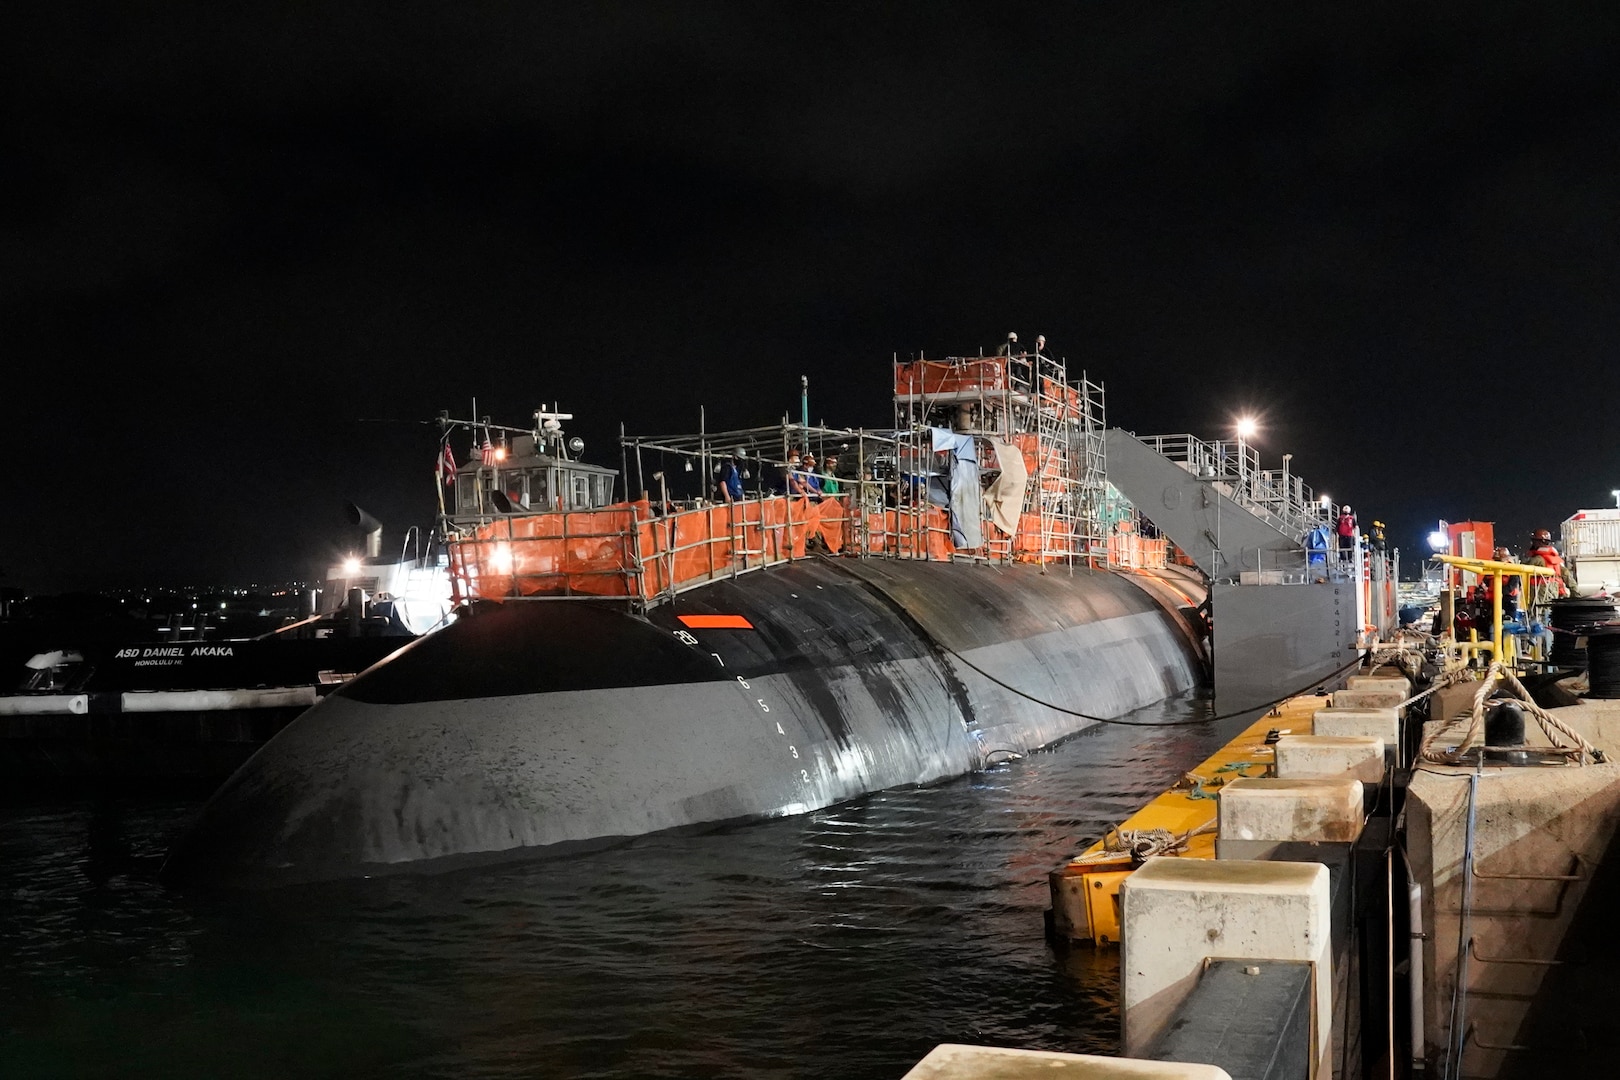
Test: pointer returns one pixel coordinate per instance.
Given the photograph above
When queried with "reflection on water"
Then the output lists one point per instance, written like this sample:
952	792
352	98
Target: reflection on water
844	943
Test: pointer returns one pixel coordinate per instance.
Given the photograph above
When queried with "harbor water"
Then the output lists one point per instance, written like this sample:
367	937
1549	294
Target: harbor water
844	943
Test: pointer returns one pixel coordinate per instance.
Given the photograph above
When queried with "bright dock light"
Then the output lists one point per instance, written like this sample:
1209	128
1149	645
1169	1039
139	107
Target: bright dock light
1246	427
1439	541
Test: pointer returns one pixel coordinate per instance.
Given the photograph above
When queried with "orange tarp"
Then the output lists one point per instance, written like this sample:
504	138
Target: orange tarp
1030	546
892	532
1132	550
1067	396
936	377
599	552
548	553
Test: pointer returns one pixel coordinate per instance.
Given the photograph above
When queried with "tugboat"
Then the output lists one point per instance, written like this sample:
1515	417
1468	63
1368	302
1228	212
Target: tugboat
961	588
183	705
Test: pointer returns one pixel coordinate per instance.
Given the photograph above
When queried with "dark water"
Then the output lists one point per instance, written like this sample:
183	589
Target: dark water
844	943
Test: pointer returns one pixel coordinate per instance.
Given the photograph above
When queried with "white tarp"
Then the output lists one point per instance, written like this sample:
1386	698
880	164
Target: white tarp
1004	501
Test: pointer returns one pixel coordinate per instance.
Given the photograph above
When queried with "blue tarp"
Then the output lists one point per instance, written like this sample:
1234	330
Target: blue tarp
961	492
1317	544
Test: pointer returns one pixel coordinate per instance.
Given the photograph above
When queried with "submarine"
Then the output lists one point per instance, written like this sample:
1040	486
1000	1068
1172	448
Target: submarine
960	590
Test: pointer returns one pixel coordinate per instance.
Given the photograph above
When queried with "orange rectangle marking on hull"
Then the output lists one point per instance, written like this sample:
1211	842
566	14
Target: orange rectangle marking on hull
715	622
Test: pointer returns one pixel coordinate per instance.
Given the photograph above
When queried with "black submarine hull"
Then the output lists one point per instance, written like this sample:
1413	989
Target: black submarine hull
537	726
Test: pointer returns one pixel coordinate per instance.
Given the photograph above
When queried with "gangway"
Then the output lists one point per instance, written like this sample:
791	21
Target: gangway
1282	613
1210	508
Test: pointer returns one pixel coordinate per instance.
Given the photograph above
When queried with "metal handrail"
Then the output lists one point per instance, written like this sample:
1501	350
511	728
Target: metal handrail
1274	495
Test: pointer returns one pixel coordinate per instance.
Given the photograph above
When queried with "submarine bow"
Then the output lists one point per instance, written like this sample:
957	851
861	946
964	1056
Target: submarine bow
534	727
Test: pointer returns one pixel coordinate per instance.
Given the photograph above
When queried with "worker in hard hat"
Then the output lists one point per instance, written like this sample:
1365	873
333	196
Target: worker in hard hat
1543	553
1510	585
1346	528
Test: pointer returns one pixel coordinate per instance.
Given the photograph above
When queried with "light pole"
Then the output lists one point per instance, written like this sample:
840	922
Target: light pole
1288	485
1246	428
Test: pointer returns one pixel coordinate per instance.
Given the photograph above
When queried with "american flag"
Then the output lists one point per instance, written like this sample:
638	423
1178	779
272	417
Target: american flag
447	465
489	449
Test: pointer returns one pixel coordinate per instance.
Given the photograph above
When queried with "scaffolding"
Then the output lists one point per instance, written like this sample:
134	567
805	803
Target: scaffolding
995	458
1024	402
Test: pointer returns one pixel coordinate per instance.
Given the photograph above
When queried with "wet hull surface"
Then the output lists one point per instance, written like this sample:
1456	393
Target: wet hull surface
552	725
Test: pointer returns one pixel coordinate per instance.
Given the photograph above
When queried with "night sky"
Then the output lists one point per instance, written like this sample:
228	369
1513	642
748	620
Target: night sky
247	254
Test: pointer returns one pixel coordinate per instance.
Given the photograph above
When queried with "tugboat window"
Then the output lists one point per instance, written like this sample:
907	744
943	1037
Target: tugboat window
512	483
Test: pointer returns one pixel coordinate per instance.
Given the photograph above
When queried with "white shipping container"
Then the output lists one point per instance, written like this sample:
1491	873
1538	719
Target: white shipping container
1591	546
1592	534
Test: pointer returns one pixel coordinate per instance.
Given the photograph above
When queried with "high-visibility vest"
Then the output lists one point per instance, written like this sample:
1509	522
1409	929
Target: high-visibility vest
1549	557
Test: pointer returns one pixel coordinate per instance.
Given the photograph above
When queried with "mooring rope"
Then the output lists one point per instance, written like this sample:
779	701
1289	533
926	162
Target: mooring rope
1142	844
1550	725
1445	679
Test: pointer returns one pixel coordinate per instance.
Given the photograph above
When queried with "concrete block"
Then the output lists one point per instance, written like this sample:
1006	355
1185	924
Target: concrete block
1368	699
1379	723
1181	912
954	1061
1329	756
1261	808
1380	682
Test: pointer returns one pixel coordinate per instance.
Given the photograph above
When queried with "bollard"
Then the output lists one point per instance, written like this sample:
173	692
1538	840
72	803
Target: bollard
1504	729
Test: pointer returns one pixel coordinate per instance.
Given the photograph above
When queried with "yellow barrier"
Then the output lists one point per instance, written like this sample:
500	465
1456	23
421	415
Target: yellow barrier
1496	571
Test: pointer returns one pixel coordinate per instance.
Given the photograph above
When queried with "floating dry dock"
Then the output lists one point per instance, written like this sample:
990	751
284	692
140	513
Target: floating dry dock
1394	880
